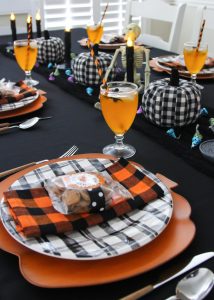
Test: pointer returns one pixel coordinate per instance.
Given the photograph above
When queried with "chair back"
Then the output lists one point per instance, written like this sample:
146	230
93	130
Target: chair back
160	11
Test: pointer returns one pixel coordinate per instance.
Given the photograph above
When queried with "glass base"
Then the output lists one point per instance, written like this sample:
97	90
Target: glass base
31	82
125	151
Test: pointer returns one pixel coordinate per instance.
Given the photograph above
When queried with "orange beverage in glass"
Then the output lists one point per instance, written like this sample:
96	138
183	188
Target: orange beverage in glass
94	33
194	58
119	104
26	55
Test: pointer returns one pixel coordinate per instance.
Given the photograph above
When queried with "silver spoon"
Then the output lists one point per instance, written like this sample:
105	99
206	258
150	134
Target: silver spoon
25	125
194	286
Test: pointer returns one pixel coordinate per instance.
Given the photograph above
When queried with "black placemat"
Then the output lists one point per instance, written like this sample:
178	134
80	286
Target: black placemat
181	146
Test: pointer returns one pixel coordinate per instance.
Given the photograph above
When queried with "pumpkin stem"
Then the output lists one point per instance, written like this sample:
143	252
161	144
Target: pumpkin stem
174	79
46	34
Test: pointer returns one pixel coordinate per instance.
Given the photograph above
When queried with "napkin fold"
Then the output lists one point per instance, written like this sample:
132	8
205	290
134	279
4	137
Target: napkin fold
25	91
34	214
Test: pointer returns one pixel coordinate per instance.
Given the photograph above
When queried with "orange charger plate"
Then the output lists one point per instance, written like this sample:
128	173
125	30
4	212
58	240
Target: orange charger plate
24	110
49	272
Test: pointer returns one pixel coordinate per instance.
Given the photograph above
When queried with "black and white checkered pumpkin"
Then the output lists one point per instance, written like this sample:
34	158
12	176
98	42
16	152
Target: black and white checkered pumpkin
170	106
50	50
85	70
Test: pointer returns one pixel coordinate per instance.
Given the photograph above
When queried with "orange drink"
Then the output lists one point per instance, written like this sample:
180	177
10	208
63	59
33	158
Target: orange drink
26	55
194	58
119	112
94	33
119	102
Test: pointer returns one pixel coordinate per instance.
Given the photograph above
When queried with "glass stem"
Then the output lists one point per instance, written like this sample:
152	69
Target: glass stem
119	141
28	79
193	78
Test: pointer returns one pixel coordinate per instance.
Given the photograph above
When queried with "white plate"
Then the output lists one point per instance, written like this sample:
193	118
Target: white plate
116	237
18	104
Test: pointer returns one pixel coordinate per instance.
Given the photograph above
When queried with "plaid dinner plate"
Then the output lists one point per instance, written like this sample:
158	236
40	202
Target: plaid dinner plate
204	73
18	104
118	236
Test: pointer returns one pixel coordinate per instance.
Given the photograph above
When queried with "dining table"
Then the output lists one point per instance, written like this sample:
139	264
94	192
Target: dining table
76	122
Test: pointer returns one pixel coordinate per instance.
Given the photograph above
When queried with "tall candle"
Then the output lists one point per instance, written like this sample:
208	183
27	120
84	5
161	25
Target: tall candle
130	60
13	26
67	41
38	24
29	26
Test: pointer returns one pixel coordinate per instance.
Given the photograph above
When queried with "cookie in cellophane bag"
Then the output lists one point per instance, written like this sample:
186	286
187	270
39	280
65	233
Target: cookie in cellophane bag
85	192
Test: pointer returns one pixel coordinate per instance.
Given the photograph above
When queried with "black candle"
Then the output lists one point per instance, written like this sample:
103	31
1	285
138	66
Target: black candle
30	27
130	61
67	41
13	27
38	25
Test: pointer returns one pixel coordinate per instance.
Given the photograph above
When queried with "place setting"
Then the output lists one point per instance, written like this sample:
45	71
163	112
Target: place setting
86	219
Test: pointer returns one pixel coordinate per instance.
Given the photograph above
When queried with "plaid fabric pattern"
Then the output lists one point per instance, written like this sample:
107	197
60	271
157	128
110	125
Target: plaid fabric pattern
35	215
26	96
171	106
51	50
25	91
118	236
85	70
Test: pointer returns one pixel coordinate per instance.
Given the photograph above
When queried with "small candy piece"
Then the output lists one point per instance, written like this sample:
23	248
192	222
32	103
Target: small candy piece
197	137
72	55
50	65
37	64
71	79
171	132
89	91
211	122
203	111
51	77
68	72
140	110
56	73
118	70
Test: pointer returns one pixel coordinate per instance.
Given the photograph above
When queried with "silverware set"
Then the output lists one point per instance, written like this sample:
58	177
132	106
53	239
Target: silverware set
203	286
71	151
21	125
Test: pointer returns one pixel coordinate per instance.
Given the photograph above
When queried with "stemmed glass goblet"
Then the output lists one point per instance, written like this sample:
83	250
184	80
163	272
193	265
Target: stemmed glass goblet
194	58
26	54
119	101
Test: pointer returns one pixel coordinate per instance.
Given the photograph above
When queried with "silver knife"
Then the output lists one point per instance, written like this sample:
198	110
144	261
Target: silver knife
195	261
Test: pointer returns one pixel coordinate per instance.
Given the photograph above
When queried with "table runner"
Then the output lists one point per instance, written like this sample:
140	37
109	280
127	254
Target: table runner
181	147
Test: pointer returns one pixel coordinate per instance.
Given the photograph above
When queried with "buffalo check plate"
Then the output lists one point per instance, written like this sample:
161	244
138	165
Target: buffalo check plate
116	237
18	104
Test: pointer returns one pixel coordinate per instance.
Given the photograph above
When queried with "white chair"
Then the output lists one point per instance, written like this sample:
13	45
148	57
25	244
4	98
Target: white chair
160	11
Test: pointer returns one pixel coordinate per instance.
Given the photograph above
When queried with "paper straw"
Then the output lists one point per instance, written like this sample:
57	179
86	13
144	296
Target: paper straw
103	16
28	42
200	35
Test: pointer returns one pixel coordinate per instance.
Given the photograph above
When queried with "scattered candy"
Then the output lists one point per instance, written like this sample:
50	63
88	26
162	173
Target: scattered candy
89	91
211	122
171	132
72	55
140	110
71	79
56	73
197	137
50	65
203	112
51	77
68	72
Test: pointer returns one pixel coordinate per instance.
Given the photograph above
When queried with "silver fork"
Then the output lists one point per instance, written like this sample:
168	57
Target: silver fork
68	153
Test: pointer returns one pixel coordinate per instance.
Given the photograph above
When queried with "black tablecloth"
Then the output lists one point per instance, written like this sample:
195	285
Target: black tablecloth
76	122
